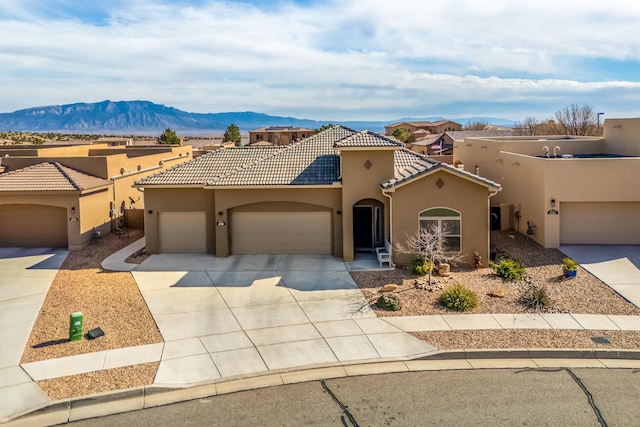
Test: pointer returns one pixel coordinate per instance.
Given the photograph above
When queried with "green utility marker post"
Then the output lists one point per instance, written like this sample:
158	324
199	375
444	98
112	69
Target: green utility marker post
75	326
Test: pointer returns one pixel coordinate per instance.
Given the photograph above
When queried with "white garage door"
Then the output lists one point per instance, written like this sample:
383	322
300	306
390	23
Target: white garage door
281	233
182	232
600	223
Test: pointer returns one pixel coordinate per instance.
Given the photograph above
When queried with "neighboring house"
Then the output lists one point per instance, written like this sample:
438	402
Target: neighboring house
451	137
571	189
279	135
419	130
57	195
337	192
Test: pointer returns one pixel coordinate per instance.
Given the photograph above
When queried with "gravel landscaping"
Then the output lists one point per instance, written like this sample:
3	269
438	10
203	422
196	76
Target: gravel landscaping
112	301
109	300
583	294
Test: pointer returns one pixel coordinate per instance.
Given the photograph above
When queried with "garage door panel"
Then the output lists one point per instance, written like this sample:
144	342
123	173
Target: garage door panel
33	226
281	233
182	232
600	223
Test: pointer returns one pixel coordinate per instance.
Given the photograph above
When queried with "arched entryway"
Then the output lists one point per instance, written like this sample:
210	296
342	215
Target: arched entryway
368	225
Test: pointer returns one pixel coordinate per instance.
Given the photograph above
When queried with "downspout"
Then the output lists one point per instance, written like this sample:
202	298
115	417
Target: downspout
384	193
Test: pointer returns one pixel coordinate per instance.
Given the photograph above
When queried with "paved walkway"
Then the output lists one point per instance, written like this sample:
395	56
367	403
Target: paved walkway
25	280
227	318
616	265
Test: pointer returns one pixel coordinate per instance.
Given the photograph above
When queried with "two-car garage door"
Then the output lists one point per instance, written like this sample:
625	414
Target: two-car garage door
600	223
281	232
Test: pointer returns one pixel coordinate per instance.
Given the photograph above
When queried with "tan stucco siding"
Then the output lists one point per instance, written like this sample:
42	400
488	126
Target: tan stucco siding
286	199
622	136
91	210
362	182
459	194
177	200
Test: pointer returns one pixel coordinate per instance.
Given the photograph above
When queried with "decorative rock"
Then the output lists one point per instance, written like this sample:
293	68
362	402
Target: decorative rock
389	288
444	270
389	302
497	293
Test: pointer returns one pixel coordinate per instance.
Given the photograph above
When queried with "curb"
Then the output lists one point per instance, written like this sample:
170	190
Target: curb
114	402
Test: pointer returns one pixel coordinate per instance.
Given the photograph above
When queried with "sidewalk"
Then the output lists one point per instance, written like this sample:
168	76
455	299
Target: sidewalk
210	360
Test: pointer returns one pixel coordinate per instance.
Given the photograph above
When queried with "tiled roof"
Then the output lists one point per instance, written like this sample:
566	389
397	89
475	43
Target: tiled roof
410	165
49	177
367	139
310	161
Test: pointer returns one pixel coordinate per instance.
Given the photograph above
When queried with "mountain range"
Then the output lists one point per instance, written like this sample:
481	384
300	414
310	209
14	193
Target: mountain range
147	118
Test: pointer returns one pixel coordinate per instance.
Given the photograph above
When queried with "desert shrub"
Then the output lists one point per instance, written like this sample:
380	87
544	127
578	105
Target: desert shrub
421	266
569	264
535	297
458	298
509	269
389	302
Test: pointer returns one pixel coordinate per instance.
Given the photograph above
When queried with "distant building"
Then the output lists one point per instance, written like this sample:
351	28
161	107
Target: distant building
279	135
419	130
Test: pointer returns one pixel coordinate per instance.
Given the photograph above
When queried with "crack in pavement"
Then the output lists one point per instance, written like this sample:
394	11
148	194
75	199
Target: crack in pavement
583	387
344	407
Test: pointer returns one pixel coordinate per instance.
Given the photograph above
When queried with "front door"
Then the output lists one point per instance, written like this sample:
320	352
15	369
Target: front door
368	227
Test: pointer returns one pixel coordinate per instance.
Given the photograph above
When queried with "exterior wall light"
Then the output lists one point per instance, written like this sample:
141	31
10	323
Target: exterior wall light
553	203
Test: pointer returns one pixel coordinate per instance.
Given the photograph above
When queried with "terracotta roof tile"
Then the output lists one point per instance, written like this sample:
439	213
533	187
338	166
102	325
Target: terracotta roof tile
367	139
49	177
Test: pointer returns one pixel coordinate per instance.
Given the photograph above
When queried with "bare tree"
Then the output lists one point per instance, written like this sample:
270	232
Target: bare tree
577	120
527	127
430	244
476	125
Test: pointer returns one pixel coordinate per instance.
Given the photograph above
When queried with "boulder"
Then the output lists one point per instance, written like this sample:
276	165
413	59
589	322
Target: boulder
497	293
389	302
389	288
444	270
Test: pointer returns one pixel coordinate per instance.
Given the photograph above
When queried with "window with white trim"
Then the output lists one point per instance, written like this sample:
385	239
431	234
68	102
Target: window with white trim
446	220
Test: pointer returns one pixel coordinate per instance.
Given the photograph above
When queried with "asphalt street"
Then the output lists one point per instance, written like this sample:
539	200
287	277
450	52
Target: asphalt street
531	397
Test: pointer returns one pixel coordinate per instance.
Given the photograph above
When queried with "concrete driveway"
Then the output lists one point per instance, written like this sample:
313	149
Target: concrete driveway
616	265
229	317
26	277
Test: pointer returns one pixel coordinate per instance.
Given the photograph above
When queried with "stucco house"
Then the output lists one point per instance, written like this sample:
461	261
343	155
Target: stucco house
337	192
56	196
570	189
278	135
419	130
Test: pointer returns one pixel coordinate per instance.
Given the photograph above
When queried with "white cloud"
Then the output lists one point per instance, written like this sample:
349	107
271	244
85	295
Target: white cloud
337	60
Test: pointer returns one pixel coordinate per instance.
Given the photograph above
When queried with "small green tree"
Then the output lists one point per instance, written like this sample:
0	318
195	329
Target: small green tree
232	134
169	137
324	127
401	134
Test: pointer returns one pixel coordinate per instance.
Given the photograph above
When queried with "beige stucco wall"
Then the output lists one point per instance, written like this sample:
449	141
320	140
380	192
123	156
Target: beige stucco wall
459	194
530	182
622	136
90	211
361	183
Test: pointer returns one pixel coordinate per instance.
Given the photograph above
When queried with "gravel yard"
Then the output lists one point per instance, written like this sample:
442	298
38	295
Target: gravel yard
109	300
112	301
583	294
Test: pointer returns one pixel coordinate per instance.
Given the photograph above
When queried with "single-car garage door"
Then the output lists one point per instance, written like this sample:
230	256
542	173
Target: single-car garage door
600	223
33	226
182	232
281	233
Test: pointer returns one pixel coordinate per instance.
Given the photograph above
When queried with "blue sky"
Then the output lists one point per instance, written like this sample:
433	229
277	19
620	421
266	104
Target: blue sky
326	60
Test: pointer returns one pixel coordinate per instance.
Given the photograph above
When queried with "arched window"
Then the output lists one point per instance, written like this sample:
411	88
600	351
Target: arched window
446	220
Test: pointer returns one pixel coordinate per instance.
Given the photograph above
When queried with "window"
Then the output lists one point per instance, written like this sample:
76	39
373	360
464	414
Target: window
446	220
